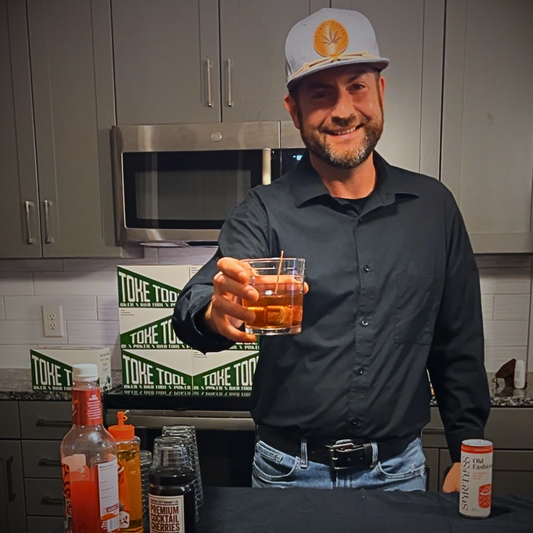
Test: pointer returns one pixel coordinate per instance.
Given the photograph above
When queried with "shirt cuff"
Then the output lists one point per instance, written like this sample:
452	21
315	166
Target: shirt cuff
455	440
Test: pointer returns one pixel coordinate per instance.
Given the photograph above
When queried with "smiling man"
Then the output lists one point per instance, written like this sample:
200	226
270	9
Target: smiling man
393	288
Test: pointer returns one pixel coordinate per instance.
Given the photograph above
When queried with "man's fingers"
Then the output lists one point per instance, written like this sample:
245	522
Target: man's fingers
223	306
223	284
233	268
231	332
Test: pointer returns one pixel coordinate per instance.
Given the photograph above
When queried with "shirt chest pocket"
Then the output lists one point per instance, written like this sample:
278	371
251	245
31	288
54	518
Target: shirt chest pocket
416	307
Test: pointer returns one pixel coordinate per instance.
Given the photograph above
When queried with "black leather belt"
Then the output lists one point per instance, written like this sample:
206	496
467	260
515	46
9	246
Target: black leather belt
339	455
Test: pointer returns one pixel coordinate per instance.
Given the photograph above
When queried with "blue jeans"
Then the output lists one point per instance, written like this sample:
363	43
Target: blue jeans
273	468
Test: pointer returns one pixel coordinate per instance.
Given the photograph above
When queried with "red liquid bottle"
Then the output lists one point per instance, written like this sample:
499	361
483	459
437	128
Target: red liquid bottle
89	461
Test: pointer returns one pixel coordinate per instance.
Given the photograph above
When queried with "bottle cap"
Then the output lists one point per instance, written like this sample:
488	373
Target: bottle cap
122	431
85	372
171	475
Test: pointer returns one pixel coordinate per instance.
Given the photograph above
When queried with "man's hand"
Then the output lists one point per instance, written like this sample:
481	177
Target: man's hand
452	482
225	314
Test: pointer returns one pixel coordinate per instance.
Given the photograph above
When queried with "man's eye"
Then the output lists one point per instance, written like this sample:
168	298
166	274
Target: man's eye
319	95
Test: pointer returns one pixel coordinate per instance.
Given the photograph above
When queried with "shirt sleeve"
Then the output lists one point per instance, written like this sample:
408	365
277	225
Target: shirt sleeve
243	235
456	359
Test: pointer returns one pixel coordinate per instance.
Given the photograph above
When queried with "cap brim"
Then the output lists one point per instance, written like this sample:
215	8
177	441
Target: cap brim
377	63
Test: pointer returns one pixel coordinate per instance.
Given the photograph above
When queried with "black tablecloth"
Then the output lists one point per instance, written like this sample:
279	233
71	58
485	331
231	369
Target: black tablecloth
244	510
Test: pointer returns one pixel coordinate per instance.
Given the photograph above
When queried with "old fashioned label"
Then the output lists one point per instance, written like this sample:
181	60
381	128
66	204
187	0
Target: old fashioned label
476	478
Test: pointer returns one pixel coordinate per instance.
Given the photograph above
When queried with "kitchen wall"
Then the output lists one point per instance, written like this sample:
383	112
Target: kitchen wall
86	288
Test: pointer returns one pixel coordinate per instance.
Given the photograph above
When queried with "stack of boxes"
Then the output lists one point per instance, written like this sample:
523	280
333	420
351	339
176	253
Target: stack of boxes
154	360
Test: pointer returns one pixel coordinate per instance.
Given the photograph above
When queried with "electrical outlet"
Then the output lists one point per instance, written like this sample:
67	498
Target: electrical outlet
53	320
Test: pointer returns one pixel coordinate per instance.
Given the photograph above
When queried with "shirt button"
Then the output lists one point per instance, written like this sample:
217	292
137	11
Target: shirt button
364	322
366	268
361	371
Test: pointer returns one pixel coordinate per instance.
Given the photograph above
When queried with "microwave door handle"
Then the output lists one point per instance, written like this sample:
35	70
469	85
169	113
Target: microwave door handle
266	178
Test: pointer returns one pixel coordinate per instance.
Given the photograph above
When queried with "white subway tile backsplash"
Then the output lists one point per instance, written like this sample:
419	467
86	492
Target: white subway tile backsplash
511	306
195	255
75	283
29	307
487	306
496	356
15	355
30	265
99	265
93	333
501	281
506	333
503	261
107	308
26	332
16	283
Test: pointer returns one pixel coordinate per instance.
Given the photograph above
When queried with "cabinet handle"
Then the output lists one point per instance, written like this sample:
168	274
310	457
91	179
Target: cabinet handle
53	423
230	95
266	178
48	500
433	431
27	209
208	67
11	494
49	462
47	238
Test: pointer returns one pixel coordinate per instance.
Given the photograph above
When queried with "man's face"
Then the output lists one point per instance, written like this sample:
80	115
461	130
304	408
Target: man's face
339	112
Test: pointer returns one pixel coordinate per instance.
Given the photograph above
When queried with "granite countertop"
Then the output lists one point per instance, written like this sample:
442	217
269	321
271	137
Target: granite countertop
15	384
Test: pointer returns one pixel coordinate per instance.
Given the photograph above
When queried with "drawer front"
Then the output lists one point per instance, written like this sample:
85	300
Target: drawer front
44	524
41	458
9	415
44	497
45	420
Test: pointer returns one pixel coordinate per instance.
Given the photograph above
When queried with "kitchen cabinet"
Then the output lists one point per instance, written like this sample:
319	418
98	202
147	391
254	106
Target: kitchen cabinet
487	130
412	101
202	60
57	107
19	203
72	82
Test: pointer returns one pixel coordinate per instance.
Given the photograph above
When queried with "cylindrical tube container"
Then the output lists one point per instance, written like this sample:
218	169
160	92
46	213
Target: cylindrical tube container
476	478
171	500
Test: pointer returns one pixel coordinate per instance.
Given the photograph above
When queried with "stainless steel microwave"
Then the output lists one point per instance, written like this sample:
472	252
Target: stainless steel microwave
179	182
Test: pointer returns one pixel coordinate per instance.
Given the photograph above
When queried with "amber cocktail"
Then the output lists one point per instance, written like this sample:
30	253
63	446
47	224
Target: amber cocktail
278	311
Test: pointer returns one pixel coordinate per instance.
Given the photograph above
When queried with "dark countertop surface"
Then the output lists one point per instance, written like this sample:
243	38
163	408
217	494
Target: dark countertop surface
15	384
246	510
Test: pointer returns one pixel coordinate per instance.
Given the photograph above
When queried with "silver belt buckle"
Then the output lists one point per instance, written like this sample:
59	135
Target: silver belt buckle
344	451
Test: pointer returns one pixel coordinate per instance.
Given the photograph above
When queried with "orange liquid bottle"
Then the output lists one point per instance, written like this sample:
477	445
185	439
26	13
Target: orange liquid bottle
129	476
89	461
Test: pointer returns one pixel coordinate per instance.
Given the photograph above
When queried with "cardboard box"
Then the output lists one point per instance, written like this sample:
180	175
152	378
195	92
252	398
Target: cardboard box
151	286
157	371
229	372
51	367
148	329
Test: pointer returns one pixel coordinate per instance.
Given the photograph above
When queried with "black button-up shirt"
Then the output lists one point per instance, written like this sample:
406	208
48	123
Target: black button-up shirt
393	293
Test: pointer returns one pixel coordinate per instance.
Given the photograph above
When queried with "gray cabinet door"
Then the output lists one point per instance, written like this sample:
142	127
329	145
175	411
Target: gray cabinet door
409	33
487	136
166	61
12	508
252	37
72	78
20	235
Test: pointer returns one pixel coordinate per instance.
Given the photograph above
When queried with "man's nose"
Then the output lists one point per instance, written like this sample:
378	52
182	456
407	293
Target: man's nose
343	107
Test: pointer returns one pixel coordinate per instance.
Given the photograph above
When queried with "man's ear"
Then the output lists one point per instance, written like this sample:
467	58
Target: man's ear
290	105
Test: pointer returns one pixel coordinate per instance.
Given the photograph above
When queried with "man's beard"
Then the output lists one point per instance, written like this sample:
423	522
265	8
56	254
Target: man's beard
354	156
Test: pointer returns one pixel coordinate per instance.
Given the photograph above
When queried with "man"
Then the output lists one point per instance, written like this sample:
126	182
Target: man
393	288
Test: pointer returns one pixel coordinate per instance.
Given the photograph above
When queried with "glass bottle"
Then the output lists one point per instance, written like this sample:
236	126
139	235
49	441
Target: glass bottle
89	461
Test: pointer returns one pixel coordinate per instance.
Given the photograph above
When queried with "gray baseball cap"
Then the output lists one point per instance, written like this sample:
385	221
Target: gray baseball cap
330	38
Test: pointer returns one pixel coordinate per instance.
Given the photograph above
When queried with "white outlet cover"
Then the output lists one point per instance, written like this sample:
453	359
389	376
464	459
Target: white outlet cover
53	320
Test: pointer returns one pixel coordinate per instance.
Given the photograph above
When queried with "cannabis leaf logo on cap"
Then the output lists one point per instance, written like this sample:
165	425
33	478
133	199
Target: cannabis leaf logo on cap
330	39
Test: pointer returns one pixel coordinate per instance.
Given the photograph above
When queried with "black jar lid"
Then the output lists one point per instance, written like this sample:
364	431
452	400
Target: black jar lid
170	475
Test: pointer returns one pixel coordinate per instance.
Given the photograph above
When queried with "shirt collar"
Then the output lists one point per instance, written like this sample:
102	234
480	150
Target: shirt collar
306	184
